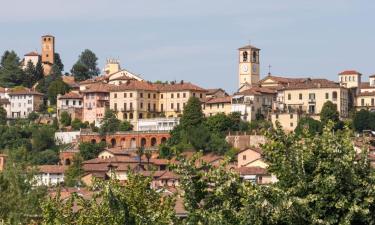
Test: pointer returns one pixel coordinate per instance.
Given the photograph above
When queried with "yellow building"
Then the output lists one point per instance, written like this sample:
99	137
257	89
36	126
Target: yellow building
248	66
214	106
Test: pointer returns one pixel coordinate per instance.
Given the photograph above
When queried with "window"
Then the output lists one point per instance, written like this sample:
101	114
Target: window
149	95
334	96
115	95
141	95
312	96
125	95
277	116
74	102
154	107
254	56
66	102
131	105
244	56
79	103
161	96
353	78
200	95
289	96
178	106
184	95
131	95
115	106
350	78
154	95
194	94
124	106
149	106
362	102
291	124
217	105
244	157
171	105
161	107
178	95
172	95
141	105
327	95
291	116
372	102
300	96
140	116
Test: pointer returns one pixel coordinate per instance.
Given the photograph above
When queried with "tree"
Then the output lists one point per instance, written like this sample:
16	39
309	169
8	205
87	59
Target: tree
39	72
29	74
193	115
364	120
65	118
89	150
125	126
322	177
55	88
46	157
110	123
329	112
74	172
134	203
11	74
312	126
219	123
80	71
43	138
33	116
3	116
77	124
58	62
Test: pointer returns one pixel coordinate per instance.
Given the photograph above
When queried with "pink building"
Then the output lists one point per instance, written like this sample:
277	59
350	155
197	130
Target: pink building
96	100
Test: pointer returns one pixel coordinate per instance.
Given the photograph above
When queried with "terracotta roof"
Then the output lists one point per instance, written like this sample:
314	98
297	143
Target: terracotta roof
372	75
212	91
366	93
227	99
257	91
70	95
134	85
117	151
52	168
123	77
350	72
251	170
313	83
33	53
94	80
284	80
185	86
248	47
167	175
258	150
24	91
98	87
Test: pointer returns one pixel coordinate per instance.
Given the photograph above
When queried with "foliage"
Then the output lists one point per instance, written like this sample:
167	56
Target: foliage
113	203
192	115
259	126
43	137
364	120
55	88
20	199
46	157
58	62
86	66
11	74
110	123
125	126
77	124
33	116
89	150
313	126
65	118
329	113
29	74
72	176
3	116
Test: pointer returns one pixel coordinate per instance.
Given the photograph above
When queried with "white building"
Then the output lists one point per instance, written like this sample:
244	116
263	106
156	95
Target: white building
156	124
23	102
31	56
66	137
50	175
71	103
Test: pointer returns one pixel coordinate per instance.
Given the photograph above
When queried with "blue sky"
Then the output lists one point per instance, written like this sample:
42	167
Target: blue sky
196	40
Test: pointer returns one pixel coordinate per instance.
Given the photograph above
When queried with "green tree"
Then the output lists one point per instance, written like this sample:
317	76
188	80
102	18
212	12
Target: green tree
28	79
192	115
329	112
73	174
33	116
39	72
134	203
58	62
11	74
110	123
89	150
77	124
65	118
364	120
219	123
312	126
55	88
43	138
3	116
125	126
80	71
89	59
46	157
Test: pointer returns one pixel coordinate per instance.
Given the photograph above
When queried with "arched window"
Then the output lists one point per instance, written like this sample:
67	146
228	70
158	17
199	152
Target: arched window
113	142
93	141
153	142
140	116
334	95
244	56
163	140
67	162
133	143
123	142
254	56
131	116
125	116
143	142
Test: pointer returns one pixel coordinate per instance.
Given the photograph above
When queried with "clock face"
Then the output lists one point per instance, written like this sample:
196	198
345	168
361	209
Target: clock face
254	68
244	68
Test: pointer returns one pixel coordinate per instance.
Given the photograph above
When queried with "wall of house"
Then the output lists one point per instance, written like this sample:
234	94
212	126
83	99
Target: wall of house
215	108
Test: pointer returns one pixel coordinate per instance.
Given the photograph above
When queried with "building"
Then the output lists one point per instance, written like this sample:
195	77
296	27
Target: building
3	159
248	67
350	78
156	124
72	103
251	157
50	175
48	53
216	93
5	103
32	57
217	105
24	101
95	102
253	103
256	175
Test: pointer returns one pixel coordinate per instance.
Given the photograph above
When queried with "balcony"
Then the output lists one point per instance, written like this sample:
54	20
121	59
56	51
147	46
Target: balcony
312	101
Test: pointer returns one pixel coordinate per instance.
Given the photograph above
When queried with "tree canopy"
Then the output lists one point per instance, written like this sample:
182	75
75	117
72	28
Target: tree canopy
86	66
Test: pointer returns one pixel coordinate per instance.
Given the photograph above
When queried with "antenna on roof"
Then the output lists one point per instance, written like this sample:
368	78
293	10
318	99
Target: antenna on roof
269	70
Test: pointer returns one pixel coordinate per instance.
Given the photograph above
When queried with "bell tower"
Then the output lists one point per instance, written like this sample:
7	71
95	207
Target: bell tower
248	66
48	53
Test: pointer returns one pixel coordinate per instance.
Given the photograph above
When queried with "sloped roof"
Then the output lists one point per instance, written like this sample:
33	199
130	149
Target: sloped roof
248	47
182	86
71	95
257	91
33	53
134	85
254	170
313	83
349	72
24	91
98	87
52	168
227	99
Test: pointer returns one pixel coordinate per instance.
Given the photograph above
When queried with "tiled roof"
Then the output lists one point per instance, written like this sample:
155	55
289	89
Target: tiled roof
33	53
227	99
24	91
284	80
212	91
98	87
71	95
248	47
258	150
167	175
185	86
52	168
366	93
350	72
134	85
372	75
251	170
313	83
257	91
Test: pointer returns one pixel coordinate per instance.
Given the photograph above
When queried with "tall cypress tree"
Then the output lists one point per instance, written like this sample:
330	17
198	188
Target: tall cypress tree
28	79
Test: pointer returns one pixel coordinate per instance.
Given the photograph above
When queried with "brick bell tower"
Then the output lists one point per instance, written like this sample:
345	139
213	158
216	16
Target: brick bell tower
48	53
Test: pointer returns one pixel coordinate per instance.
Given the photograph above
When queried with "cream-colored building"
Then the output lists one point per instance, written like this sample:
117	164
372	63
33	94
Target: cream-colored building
248	66
365	100
252	102
214	106
350	78
32	57
23	102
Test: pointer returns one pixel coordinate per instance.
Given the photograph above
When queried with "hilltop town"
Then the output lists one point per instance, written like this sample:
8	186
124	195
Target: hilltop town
92	125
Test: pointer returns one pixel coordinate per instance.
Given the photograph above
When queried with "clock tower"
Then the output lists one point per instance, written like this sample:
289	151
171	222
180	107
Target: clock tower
248	66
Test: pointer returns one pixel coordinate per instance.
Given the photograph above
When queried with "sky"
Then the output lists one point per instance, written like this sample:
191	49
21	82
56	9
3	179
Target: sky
197	40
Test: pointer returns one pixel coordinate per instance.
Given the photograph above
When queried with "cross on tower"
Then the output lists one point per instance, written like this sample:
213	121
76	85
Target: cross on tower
269	70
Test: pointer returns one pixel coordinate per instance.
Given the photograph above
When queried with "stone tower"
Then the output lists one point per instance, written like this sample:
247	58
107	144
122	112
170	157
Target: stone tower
48	53
248	66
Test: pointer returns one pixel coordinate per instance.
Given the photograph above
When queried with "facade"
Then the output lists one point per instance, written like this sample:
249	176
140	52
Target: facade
216	93
156	124
350	78
95	102
23	102
71	103
252	102
248	67
50	175
217	105
31	56
48	53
